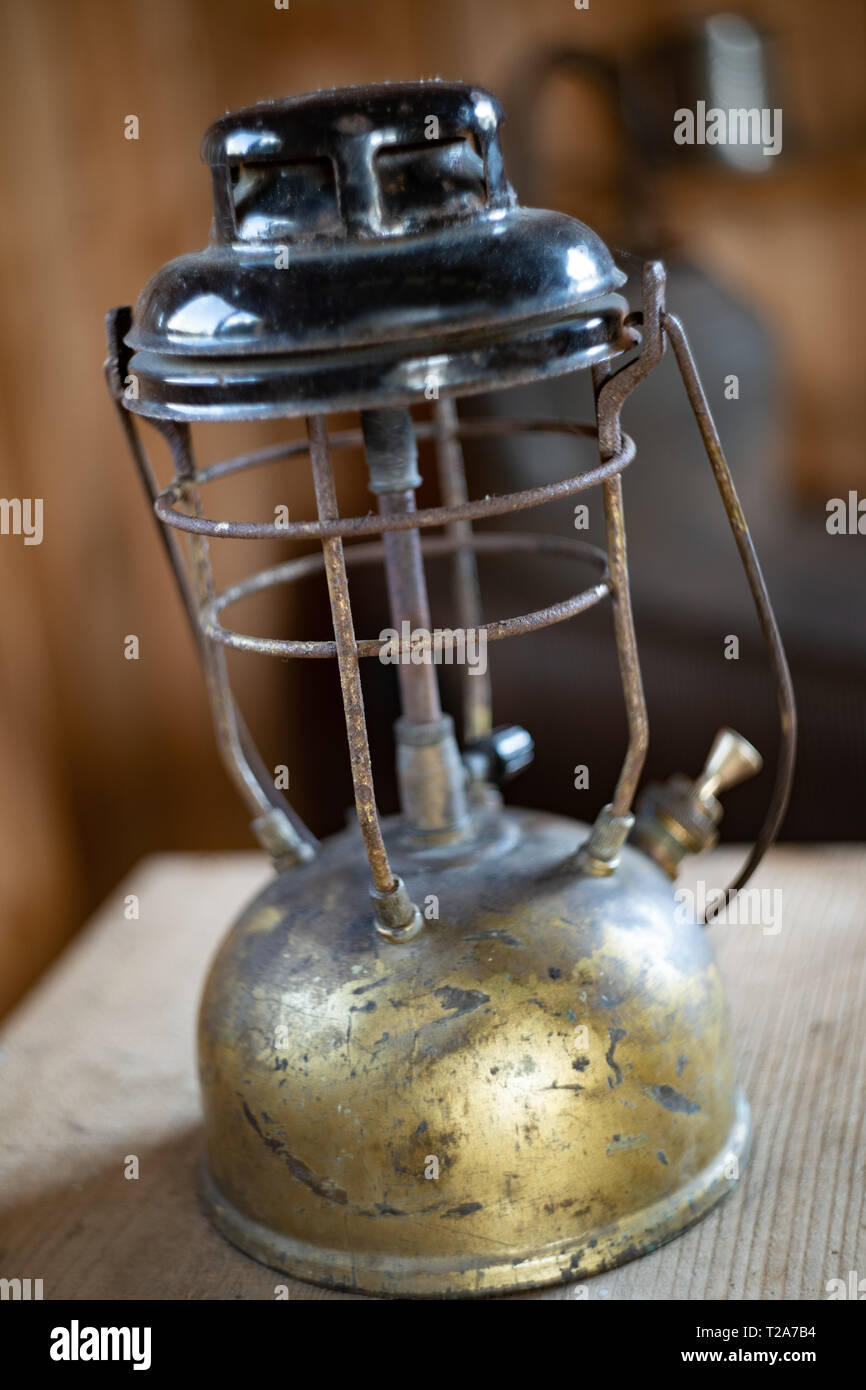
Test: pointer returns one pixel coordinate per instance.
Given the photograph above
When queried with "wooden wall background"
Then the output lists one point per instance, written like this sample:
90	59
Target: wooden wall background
105	759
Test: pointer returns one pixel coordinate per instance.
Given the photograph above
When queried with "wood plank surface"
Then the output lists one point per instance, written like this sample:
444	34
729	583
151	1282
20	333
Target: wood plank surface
98	1064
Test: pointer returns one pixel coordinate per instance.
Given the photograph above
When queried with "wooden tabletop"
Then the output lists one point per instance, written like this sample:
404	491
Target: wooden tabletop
98	1065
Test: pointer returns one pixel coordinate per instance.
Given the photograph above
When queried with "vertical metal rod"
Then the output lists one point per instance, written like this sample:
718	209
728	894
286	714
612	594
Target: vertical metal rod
277	825
624	631
627	651
407	594
278	828
392	460
477	692
166	535
430	773
214	661
611	390
347	659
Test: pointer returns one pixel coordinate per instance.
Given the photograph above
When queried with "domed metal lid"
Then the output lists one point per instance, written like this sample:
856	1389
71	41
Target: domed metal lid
366	246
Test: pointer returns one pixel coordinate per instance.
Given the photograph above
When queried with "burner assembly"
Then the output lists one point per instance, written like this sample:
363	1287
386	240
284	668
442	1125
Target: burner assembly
469	1048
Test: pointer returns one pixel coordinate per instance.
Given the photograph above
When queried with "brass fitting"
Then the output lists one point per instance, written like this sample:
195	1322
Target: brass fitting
279	838
431	778
681	816
599	856
397	917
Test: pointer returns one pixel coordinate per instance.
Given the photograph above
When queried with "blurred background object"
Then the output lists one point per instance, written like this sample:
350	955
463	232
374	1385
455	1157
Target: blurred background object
107	759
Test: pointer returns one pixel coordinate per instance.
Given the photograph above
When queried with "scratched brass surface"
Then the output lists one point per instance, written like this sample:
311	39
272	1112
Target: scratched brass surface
335	1067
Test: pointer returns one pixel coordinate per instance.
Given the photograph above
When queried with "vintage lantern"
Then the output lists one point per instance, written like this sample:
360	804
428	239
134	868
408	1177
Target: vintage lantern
470	1049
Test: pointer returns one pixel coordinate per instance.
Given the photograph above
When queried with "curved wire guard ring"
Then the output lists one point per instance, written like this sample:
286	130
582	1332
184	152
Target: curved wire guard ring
292	570
375	524
479	428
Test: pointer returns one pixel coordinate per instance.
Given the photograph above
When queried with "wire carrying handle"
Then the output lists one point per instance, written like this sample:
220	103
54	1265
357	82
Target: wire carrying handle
781	794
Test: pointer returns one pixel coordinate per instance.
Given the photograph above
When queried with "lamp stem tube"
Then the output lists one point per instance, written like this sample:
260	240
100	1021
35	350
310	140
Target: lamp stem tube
430	772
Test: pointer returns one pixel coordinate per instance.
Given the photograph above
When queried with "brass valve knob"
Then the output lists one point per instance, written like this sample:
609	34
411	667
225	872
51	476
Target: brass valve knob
681	816
731	760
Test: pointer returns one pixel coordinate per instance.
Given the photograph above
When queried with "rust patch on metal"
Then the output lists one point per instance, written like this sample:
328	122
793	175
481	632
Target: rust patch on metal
465	1209
616	1036
323	1187
462	1001
672	1099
